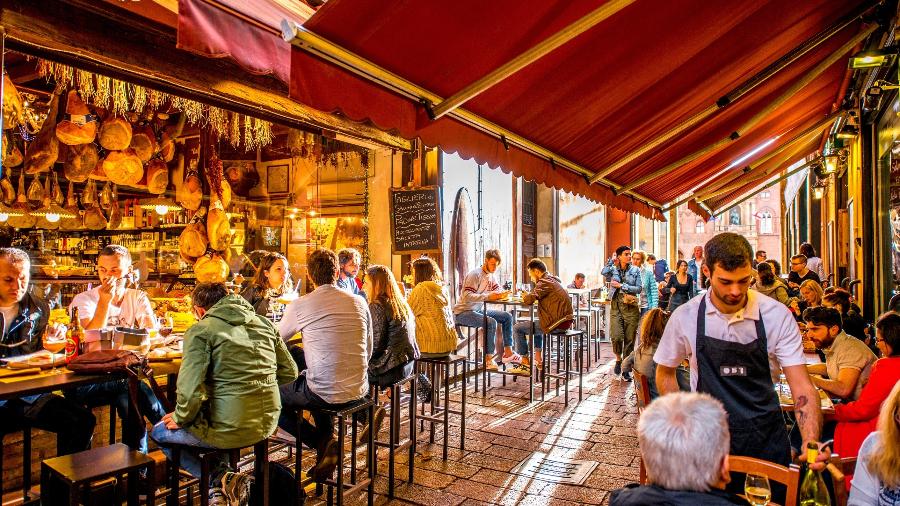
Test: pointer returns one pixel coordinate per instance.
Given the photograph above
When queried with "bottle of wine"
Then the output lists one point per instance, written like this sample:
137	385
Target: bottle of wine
812	487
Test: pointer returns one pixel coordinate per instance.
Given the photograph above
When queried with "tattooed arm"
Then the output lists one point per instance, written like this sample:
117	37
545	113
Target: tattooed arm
806	407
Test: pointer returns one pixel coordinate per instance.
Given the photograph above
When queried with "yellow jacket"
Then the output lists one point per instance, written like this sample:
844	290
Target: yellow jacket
435	332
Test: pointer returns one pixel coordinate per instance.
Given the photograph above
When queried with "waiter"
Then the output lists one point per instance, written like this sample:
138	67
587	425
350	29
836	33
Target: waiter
731	335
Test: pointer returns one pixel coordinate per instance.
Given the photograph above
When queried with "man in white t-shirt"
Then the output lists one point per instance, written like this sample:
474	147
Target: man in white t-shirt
111	304
734	338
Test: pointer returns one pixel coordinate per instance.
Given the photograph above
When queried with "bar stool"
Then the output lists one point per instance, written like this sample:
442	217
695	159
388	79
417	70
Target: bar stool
393	444
477	360
78	470
561	339
260	470
440	369
344	413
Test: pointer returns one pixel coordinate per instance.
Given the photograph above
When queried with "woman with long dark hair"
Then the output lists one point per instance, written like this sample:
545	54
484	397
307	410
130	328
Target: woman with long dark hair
649	334
393	326
680	287
271	284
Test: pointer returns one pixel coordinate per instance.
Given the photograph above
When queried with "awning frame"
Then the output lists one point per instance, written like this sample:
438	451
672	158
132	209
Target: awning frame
316	45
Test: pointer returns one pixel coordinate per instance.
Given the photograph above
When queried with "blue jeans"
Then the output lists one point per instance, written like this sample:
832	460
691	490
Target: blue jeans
115	393
475	319
189	460
521	329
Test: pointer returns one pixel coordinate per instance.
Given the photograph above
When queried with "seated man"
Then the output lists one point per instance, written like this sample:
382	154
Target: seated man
800	273
480	285
554	310
684	442
233	363
578	283
24	321
349	260
336	329
111	304
848	361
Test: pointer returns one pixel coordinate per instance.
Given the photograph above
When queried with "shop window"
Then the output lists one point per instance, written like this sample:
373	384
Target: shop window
765	222
734	216
700	227
764	195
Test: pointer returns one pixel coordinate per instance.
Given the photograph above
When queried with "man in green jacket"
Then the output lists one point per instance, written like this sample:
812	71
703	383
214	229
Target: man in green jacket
234	361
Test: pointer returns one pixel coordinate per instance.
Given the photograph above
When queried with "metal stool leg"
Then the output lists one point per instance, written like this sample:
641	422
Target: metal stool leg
446	370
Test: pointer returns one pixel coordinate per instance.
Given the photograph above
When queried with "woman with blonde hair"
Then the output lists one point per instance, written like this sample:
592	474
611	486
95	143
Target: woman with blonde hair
435	331
811	295
877	478
393	328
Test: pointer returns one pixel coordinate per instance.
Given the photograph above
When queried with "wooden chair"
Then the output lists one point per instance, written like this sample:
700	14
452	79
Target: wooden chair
841	468
787	476
641	390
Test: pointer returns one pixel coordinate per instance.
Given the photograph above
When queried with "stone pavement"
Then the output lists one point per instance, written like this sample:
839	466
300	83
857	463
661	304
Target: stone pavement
502	430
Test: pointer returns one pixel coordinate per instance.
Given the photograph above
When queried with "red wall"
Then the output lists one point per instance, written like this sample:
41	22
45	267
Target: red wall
618	230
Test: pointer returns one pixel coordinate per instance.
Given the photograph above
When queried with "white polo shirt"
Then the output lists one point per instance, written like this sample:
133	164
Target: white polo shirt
679	340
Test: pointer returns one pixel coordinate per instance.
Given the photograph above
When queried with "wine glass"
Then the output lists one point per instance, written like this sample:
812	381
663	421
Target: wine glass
54	341
757	489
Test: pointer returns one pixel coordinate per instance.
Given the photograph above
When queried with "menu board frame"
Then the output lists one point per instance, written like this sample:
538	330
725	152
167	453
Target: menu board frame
437	202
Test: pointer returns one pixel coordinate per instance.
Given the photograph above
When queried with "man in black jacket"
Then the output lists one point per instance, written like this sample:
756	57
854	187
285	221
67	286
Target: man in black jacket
24	319
684	443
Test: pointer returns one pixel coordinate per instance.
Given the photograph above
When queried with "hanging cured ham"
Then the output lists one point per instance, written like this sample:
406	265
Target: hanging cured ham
191	192
123	167
13	105
44	151
115	134
143	142
79	125
71	206
21	204
80	162
157	176
211	269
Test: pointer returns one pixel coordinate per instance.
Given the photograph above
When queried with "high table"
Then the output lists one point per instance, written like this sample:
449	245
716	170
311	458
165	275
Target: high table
15	387
515	302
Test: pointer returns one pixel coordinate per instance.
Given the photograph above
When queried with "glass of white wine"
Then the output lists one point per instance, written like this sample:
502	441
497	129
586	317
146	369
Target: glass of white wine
757	489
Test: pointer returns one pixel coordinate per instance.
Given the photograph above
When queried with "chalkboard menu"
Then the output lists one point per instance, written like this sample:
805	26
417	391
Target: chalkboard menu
415	220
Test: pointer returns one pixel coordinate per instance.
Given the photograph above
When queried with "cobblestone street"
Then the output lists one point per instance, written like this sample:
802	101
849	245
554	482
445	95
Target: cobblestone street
502	430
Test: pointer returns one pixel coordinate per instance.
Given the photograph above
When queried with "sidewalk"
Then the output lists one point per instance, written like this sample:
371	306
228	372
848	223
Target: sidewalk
502	430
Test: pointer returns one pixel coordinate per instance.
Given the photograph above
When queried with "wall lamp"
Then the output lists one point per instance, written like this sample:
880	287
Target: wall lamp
849	132
873	59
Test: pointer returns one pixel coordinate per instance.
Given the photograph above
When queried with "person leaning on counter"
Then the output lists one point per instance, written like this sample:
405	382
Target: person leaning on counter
24	320
112	304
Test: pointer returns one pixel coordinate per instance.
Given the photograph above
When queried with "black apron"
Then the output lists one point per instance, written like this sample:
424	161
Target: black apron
738	375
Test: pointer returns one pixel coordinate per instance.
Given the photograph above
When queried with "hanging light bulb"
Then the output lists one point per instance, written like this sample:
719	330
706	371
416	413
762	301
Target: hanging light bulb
160	206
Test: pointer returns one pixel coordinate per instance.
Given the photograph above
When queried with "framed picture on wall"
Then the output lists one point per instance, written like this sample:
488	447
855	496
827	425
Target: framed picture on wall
278	179
271	238
298	231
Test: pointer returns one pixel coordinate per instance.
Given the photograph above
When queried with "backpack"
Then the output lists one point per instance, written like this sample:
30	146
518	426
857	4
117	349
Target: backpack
282	487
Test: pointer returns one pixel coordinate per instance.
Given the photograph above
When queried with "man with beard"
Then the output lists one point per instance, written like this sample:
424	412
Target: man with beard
730	336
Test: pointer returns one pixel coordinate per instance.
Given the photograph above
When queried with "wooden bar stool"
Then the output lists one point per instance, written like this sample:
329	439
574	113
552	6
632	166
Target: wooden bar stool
394	444
260	470
439	369
78	470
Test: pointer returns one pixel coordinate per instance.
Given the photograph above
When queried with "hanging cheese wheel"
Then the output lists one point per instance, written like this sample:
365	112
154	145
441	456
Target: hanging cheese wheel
115	134
157	176
80	162
144	145
123	167
79	127
211	269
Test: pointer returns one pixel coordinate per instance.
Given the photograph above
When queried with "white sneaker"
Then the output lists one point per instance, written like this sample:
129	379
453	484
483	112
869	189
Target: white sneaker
515	358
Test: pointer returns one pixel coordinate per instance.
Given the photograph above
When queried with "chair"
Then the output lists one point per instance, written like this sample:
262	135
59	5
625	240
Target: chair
787	476
439	369
641	390
840	469
78	470
393	444
561	339
260	470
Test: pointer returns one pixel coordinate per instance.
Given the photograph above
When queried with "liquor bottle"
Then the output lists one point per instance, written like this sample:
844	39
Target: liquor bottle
812	487
74	337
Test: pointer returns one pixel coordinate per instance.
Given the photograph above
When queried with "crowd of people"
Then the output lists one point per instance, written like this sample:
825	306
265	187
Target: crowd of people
729	346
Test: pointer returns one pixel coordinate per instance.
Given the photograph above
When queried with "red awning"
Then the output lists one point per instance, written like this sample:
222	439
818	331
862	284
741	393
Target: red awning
247	31
612	89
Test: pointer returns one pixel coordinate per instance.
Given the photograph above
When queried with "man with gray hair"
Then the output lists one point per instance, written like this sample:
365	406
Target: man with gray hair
684	444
